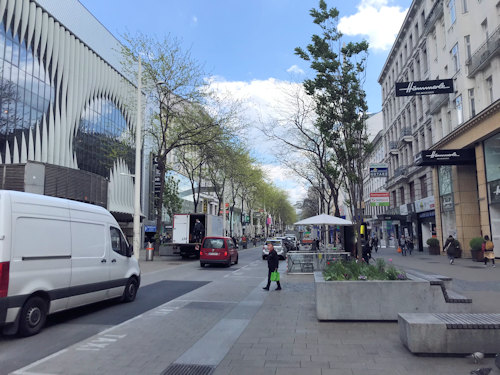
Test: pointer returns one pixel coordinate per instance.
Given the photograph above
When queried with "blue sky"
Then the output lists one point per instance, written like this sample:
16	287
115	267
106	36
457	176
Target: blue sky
248	46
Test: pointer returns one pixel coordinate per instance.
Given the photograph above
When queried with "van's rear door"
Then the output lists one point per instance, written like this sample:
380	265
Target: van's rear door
181	229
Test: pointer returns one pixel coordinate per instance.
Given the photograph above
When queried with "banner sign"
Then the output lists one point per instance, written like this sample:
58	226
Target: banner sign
379	199
446	157
379	170
494	188
440	86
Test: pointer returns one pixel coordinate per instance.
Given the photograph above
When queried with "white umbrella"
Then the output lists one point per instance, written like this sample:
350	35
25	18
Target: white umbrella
324	219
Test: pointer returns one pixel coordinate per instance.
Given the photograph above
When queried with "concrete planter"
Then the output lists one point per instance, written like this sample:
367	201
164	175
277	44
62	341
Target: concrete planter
377	299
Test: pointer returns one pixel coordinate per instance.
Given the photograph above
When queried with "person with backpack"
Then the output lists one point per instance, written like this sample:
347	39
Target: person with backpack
488	251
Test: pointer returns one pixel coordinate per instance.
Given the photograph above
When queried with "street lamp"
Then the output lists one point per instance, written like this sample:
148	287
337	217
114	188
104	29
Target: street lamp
137	187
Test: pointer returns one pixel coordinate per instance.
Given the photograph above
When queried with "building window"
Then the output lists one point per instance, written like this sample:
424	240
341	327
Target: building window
465	6
402	194
423	187
458	106
489	89
455	59
394	198
472	103
453	15
412	191
468	52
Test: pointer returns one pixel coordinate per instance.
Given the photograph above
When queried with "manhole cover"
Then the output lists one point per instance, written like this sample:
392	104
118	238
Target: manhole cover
181	369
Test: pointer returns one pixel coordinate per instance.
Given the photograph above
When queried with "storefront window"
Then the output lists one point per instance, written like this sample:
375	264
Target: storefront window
445	182
492	158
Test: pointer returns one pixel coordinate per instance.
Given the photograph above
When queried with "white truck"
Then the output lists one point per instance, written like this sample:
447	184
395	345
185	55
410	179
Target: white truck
183	238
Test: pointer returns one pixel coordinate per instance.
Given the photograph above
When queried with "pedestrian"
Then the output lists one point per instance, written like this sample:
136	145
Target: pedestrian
366	252
272	265
488	251
198	231
375	243
402	245
450	248
409	244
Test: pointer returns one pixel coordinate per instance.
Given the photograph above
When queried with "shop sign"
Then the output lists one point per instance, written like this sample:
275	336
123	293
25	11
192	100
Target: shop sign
424	204
494	188
149	228
379	199
403	209
447	203
412	88
446	157
424	215
379	170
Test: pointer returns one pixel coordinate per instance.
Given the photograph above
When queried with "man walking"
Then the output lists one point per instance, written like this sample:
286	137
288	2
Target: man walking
272	265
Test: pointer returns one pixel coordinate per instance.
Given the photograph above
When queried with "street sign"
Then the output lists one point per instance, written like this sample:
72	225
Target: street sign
379	170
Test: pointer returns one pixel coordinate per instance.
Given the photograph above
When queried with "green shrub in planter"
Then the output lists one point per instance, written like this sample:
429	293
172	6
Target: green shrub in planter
476	248
433	244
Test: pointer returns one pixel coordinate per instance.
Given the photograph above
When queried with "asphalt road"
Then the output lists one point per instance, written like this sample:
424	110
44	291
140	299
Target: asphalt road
67	328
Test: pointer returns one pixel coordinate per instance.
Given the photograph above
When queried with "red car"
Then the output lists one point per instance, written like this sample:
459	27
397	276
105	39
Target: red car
218	250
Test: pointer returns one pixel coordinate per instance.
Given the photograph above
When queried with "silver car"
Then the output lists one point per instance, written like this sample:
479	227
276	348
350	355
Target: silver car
279	246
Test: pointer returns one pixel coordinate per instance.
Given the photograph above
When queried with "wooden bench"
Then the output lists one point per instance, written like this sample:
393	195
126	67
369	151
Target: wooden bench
450	333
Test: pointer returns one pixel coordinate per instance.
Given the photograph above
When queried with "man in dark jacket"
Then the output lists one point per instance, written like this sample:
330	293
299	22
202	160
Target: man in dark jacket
272	265
198	230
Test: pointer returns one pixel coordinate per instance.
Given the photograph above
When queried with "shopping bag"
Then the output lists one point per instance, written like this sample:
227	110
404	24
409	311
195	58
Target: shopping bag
275	276
399	249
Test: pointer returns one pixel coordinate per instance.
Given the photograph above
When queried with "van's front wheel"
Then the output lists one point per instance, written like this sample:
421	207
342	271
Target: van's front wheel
33	316
130	291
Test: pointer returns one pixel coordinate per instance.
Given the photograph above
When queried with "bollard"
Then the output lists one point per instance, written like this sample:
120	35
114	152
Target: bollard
149	252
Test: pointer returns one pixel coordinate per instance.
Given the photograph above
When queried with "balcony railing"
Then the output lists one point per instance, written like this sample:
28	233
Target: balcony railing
436	102
436	13
393	147
406	134
483	55
400	171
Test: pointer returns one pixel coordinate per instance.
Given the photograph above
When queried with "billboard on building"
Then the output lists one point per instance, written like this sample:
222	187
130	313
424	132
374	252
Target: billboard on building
440	86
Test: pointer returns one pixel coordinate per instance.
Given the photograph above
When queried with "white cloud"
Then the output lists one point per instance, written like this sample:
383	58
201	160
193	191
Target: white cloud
195	19
375	19
294	69
261	101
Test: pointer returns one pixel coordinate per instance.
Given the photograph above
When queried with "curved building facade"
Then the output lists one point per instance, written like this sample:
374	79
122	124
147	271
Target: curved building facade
65	104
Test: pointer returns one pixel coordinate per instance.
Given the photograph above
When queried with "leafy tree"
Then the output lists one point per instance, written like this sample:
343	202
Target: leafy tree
340	99
171	199
174	80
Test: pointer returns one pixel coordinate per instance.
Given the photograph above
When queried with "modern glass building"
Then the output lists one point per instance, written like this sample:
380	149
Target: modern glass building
67	119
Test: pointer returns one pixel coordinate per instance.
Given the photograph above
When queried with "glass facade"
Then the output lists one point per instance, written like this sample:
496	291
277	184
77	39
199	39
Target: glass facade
102	138
25	90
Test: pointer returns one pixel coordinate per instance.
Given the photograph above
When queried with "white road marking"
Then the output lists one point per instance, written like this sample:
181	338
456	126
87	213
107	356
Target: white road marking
25	370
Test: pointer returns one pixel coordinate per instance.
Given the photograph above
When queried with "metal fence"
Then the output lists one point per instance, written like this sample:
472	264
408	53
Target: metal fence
308	262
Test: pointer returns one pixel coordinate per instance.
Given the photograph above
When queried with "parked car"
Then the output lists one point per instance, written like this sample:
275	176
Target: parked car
293	239
57	254
218	250
279	246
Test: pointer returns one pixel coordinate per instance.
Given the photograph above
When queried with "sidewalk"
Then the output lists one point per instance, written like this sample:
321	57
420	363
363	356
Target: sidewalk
273	332
285	338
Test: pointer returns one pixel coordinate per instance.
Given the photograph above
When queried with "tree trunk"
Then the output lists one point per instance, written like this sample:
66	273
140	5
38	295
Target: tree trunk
159	204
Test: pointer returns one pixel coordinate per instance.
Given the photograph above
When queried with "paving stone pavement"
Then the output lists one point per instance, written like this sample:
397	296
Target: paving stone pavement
283	337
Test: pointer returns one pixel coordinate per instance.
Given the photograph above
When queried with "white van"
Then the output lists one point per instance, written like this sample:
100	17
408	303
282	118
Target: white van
57	254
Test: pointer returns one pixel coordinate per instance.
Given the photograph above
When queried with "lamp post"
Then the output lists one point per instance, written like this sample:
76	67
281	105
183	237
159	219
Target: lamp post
137	186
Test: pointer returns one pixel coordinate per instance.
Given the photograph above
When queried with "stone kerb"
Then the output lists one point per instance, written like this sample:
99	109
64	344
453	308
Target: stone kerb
379	299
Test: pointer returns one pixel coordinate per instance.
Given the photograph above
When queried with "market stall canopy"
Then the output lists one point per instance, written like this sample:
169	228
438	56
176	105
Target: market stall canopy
324	219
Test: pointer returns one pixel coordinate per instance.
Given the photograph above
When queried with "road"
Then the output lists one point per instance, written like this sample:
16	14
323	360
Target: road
158	287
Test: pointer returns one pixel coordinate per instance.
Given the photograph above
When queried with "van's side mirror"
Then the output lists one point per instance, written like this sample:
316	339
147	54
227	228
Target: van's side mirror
130	251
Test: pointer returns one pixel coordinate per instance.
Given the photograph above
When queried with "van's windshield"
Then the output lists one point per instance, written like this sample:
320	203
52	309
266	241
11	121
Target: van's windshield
274	243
